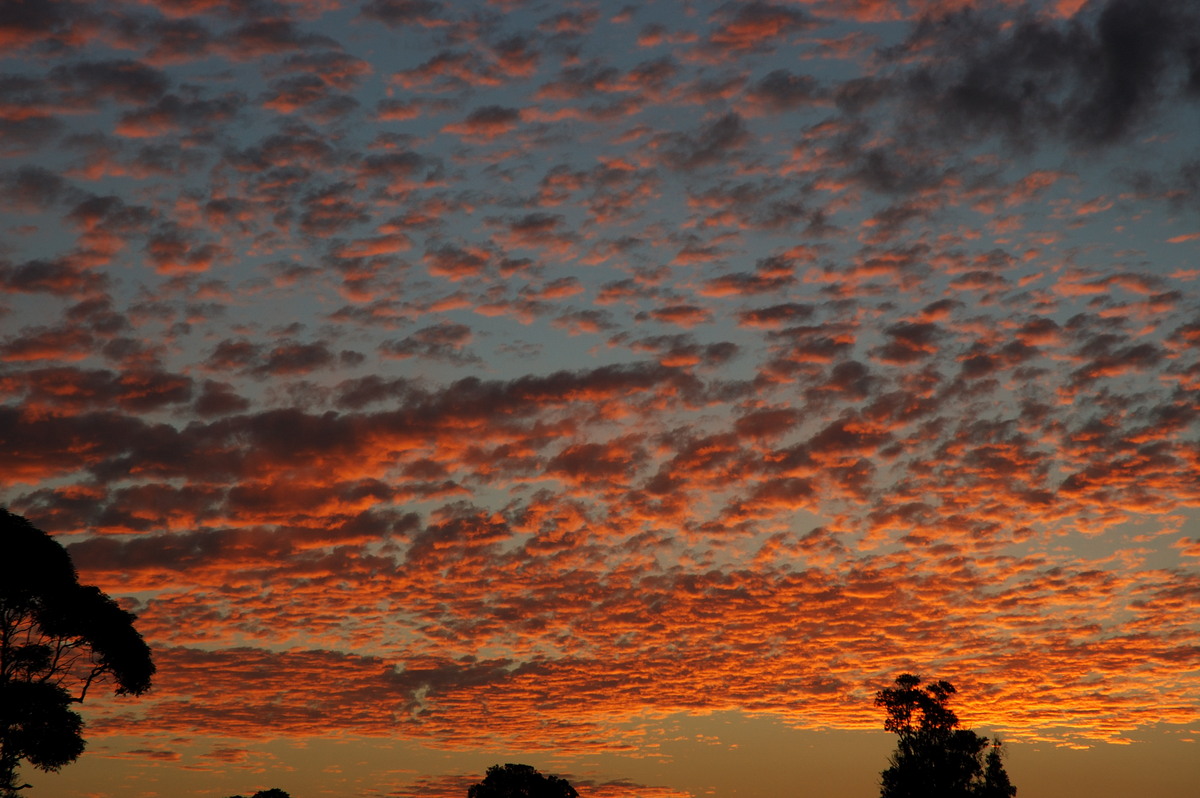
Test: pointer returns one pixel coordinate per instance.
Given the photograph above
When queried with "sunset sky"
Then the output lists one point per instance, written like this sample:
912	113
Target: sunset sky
629	390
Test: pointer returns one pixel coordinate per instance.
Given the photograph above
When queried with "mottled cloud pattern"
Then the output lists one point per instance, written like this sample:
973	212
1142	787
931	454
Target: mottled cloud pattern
472	372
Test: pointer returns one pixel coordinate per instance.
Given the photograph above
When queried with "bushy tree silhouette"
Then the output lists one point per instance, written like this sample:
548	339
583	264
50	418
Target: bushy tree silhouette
520	781
934	758
995	779
57	639
274	792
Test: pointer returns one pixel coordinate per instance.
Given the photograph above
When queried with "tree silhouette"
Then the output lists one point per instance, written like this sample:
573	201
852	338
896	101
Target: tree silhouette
520	781
934	758
995	780
274	792
57	639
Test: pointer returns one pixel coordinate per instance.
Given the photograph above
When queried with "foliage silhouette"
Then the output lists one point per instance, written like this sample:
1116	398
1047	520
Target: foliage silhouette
57	639
520	781
995	780
934	758
274	792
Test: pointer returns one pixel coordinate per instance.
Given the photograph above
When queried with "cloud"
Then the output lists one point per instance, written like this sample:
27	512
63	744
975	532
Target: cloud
79	389
445	374
402	13
1095	79
444	341
487	123
542	231
27	134
681	315
217	398
169	41
126	81
290	358
264	36
61	278
715	143
773	275
776	315
332	210
909	342
781	90
756	26
569	23
46	343
51	24
517	55
174	114
456	264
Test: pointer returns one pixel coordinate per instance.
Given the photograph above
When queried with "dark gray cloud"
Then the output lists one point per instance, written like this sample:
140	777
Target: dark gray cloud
1096	79
715	143
402	13
124	80
782	90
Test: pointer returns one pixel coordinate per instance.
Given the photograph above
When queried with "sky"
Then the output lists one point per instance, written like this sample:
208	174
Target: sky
626	390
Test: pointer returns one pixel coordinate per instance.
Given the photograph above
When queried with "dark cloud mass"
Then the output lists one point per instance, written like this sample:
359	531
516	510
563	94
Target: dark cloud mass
1096	81
489	376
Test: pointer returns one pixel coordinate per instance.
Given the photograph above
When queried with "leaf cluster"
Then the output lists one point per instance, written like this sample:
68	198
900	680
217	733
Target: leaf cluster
57	639
934	758
520	781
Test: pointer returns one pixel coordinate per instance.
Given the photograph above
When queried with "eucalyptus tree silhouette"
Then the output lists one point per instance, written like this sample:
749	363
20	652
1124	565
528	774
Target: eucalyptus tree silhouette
934	758
57	639
995	780
520	781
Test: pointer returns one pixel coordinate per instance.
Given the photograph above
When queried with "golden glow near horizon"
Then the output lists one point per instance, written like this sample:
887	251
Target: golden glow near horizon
630	388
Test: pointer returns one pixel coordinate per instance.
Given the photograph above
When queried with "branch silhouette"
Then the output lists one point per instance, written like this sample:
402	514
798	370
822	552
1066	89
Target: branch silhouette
58	638
934	758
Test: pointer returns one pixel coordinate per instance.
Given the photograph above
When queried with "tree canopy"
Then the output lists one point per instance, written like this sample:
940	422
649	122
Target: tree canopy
57	639
520	781
934	758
